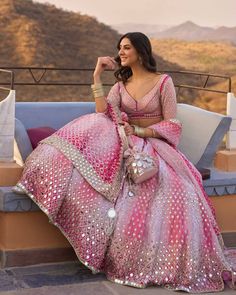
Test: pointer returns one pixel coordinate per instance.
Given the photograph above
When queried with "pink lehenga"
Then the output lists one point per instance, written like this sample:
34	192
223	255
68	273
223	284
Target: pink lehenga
162	231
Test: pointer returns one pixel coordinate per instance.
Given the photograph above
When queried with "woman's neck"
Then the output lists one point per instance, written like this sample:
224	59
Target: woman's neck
138	72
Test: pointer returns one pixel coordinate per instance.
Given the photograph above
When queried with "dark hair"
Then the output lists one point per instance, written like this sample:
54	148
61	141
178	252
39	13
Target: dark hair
143	47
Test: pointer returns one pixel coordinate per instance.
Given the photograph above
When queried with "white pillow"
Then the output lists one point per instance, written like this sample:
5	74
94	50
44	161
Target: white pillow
202	133
22	144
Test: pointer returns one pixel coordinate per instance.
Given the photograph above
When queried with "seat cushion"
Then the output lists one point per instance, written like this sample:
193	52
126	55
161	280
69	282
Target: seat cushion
38	134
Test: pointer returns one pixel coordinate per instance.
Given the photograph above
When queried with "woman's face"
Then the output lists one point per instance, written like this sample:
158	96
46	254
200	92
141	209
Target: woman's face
127	53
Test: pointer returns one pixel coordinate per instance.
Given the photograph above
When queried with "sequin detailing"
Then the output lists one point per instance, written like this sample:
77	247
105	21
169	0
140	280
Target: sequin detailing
162	231
109	190
169	130
111	213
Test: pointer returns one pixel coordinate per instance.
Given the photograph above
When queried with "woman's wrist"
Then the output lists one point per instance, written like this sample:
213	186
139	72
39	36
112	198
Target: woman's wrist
97	78
154	133
144	132
139	131
97	90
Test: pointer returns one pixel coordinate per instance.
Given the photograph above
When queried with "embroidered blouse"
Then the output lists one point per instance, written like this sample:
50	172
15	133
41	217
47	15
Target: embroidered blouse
159	102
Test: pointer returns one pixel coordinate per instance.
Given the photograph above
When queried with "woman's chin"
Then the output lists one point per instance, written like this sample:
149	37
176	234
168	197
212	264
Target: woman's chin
124	64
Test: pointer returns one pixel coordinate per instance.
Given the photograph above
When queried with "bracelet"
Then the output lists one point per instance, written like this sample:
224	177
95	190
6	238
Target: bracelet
98	90
139	131
154	134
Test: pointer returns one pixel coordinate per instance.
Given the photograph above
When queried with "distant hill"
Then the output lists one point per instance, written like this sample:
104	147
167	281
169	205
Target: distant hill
187	31
34	34
205	56
148	29
193	32
201	56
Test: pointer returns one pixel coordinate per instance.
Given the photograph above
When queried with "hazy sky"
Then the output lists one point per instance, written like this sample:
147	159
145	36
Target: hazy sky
167	12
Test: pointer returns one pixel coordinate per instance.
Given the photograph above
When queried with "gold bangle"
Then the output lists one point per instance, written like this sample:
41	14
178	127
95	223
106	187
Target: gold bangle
134	126
98	90
139	131
96	86
99	93
154	134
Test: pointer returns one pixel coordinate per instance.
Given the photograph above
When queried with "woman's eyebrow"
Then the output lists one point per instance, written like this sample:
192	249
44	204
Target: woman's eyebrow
125	45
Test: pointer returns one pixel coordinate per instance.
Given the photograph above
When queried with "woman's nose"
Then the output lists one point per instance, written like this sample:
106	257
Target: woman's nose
121	51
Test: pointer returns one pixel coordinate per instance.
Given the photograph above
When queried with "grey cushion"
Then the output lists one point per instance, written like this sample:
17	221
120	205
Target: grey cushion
23	145
202	133
51	114
38	114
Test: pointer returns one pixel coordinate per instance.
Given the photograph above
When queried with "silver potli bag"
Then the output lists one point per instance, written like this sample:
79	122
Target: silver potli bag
140	166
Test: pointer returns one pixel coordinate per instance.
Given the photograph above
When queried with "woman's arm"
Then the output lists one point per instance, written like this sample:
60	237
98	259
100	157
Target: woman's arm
103	63
140	131
168	99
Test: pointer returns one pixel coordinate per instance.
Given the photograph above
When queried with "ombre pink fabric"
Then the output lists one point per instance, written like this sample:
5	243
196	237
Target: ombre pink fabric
160	232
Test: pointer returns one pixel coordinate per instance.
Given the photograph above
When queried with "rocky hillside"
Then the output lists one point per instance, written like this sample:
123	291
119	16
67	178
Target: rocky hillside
39	35
206	56
202	56
215	101
34	34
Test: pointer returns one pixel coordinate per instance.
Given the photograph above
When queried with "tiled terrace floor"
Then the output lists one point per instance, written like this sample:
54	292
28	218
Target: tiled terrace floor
69	278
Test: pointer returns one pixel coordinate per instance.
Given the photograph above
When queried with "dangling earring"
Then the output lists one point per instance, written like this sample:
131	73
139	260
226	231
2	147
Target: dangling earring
140	60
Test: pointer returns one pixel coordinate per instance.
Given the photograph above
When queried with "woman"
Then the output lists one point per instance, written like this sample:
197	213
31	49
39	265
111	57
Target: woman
161	231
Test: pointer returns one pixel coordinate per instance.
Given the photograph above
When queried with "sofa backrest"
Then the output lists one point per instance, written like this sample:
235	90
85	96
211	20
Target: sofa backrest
202	133
52	114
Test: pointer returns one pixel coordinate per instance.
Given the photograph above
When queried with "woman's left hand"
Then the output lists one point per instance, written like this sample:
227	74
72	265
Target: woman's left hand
129	130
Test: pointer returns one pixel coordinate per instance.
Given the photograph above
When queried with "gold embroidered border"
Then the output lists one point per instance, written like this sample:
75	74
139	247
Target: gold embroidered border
108	190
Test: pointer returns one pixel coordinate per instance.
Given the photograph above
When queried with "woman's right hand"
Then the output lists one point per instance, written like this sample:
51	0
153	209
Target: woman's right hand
129	130
103	63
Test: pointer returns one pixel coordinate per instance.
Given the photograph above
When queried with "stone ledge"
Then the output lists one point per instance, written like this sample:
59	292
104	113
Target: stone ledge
12	202
10	173
221	183
10	258
220	190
